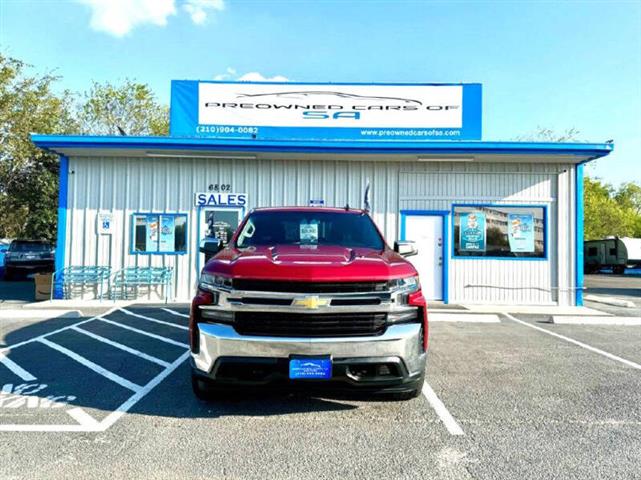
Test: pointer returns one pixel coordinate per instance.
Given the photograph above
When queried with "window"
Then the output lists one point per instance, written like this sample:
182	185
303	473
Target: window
308	228
499	231
592	251
161	233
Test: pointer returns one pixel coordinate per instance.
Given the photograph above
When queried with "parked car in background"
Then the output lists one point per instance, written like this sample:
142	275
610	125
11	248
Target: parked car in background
617	253
28	256
4	246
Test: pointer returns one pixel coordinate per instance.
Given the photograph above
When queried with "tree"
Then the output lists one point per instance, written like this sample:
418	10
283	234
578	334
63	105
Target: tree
629	196
130	106
542	134
28	176
607	211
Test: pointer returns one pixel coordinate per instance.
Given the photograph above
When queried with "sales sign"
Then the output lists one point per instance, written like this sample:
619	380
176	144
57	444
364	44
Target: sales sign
335	111
472	232
217	199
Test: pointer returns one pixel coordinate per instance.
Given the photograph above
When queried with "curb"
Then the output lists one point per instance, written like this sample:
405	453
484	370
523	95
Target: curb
617	302
463	317
569	320
24	314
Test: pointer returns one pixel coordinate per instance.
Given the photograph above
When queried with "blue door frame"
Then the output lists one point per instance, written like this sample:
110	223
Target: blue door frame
446	241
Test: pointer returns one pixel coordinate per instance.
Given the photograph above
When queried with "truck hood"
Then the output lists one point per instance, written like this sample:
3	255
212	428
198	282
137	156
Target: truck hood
310	263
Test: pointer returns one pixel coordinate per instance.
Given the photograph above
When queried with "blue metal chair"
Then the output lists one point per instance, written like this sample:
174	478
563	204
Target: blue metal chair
69	280
127	283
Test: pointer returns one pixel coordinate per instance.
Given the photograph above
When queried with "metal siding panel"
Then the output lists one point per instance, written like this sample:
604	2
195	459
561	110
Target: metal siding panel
435	186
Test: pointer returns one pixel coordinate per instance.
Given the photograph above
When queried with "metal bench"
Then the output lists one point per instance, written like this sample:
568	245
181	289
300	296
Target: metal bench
68	281
128	283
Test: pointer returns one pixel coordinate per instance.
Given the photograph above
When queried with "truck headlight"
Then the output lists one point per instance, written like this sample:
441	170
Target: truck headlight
405	285
211	282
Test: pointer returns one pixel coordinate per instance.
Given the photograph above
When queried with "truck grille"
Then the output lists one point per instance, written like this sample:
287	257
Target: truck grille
309	287
310	325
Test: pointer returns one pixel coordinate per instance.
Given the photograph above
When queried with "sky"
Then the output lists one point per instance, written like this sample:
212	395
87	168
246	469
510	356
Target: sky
557	64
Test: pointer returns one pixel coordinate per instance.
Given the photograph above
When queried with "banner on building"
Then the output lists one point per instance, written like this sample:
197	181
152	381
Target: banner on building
472	232
520	232
167	234
152	233
336	111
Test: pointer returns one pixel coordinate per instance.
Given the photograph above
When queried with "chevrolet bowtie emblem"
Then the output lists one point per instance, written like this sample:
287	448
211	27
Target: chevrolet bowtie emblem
311	302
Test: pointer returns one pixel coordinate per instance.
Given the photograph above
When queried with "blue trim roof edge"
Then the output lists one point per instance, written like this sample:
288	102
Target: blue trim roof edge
53	142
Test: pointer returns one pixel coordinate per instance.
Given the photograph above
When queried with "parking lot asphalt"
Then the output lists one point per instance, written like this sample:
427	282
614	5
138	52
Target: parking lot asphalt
110	397
623	287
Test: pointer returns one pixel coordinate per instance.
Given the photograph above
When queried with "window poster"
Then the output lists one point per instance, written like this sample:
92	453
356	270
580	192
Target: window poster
152	233
520	230
167	234
472	232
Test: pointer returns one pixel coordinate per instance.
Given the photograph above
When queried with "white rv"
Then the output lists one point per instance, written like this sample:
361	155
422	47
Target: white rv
613	252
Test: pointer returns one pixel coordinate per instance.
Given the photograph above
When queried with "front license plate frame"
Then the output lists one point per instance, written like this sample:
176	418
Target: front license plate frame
316	367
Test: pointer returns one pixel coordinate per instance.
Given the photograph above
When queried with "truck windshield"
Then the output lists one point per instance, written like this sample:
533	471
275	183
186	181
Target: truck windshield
29	247
310	228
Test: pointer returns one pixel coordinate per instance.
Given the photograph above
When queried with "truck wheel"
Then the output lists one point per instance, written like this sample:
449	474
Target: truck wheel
618	269
8	274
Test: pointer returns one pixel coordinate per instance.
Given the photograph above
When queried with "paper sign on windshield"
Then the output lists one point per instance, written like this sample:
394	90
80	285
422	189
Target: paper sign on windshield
309	233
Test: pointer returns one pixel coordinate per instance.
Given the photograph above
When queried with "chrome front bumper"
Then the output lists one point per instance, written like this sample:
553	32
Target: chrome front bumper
401	341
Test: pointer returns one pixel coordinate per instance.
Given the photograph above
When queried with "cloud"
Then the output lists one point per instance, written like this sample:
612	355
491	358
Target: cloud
197	9
232	74
257	77
119	17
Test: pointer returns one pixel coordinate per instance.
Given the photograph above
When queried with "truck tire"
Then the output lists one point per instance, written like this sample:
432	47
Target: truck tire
8	274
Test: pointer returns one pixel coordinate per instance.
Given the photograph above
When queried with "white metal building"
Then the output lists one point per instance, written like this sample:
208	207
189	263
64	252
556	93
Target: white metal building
522	200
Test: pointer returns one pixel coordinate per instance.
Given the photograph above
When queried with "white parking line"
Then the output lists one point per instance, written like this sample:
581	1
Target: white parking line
113	417
155	320
122	347
92	366
173	312
142	332
86	423
83	418
577	343
448	420
15	368
35	339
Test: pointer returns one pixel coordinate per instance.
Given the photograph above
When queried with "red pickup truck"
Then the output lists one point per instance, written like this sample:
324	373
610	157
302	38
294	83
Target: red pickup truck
312	297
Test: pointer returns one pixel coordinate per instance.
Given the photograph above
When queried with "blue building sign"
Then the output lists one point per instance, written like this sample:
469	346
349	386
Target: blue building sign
331	112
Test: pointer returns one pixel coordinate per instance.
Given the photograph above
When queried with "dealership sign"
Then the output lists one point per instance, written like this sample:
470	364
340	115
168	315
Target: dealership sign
291	111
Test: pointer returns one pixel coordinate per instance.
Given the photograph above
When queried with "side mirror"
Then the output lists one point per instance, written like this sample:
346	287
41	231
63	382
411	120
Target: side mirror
405	249
211	246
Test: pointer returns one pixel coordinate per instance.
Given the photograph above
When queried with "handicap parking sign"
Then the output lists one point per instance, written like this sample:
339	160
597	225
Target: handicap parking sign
104	223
